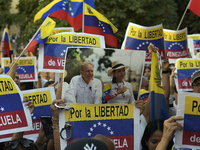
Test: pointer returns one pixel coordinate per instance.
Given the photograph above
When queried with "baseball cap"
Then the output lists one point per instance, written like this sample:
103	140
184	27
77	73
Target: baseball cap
86	143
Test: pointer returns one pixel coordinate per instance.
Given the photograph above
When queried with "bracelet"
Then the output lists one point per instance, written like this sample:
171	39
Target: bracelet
57	127
165	71
54	120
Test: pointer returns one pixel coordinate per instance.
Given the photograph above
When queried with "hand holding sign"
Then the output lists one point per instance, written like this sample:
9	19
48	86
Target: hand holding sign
28	104
54	110
170	125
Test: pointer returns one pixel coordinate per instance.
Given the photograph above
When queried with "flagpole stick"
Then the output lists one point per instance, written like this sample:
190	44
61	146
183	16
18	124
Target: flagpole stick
83	18
26	46
183	15
15	61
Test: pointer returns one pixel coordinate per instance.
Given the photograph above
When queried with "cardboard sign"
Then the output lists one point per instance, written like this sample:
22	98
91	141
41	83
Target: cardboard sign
139	37
188	107
118	122
42	99
14	116
26	68
185	69
176	44
52	54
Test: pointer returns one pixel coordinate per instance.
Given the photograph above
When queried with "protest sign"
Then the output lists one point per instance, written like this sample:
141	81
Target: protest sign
139	37
52	54
42	99
196	40
62	29
120	123
15	117
176	44
102	59
26	68
191	47
185	69
188	107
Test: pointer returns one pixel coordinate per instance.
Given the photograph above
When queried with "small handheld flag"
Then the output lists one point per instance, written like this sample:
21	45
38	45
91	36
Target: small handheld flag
41	35
6	41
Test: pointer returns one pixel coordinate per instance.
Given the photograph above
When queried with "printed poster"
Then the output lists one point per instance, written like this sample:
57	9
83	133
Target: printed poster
139	37
188	107
176	44
101	60
120	123
52	54
15	117
26	68
196	40
42	99
185	67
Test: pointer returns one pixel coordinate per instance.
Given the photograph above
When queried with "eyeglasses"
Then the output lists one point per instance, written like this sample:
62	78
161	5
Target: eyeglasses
24	142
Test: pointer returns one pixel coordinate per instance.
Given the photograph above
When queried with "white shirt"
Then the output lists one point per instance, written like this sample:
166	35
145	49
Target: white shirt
82	93
119	99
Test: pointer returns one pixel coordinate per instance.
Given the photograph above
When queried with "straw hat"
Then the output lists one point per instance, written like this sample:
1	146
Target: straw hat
116	65
195	75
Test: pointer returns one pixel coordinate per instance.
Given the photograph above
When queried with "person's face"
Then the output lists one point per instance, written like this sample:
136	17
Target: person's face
145	85
154	140
119	74
87	73
196	86
147	72
17	80
45	75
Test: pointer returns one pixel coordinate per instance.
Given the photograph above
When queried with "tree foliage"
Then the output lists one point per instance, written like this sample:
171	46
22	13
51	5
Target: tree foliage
119	12
5	17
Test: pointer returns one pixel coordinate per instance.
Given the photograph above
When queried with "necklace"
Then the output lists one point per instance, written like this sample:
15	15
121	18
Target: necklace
118	88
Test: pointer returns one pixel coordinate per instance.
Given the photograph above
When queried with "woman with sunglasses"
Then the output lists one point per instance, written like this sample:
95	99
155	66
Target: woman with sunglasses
21	144
118	91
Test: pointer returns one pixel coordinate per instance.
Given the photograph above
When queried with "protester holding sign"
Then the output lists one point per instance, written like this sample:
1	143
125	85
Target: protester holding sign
153	134
119	91
170	125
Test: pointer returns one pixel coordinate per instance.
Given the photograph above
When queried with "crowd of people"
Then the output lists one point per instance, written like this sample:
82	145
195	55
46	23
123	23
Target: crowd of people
85	89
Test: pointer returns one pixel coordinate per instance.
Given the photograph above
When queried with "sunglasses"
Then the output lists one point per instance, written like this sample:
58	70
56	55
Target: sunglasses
24	142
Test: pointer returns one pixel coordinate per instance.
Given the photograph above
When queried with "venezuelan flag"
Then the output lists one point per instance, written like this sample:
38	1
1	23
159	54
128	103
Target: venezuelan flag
96	23
6	41
41	35
70	10
158	104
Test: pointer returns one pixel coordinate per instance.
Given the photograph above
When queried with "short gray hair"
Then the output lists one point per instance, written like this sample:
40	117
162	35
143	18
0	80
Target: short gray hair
84	64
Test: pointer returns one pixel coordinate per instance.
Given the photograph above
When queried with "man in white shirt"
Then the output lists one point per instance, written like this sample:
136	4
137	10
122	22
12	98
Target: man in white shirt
84	88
